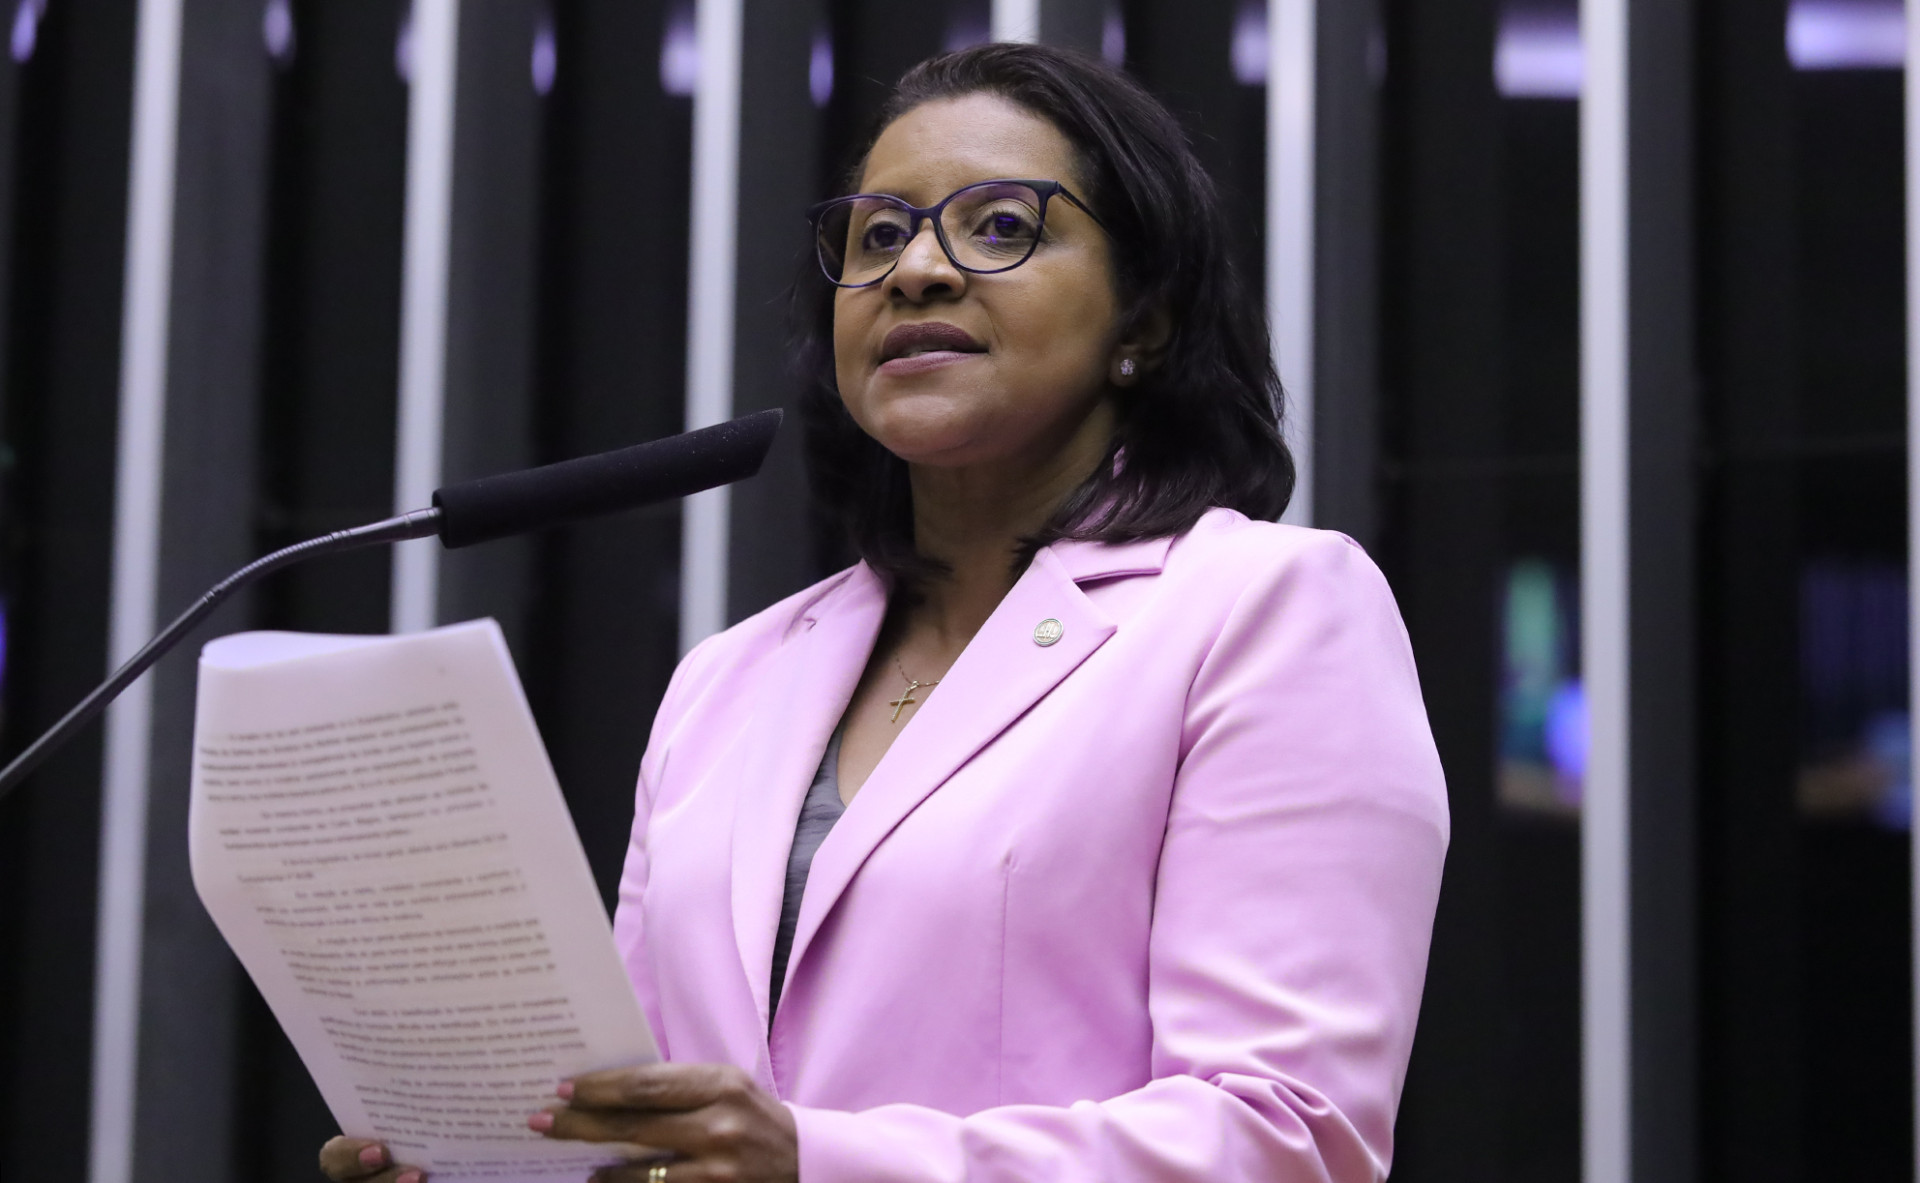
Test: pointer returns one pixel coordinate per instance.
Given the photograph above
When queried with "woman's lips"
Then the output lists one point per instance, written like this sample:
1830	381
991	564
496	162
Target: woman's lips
920	363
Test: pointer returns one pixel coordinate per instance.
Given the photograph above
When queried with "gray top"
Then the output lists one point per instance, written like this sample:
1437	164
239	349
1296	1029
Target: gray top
818	812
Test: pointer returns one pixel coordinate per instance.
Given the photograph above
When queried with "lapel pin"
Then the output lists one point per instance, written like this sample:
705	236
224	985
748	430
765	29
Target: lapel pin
1047	632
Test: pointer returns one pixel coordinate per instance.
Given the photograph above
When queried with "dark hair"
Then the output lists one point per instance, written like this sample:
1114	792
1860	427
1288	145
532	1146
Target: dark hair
1201	429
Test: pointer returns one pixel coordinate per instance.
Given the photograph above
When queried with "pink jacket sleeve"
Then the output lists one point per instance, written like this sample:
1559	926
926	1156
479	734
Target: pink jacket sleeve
1293	907
629	935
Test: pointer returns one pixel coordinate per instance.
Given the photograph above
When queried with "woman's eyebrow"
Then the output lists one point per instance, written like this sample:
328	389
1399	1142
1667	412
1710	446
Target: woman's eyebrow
898	194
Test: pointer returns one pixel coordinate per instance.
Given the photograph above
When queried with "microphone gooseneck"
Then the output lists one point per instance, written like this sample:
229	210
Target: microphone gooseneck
418	524
515	502
463	514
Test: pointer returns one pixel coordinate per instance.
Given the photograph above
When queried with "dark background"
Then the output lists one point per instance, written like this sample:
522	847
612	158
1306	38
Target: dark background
1775	919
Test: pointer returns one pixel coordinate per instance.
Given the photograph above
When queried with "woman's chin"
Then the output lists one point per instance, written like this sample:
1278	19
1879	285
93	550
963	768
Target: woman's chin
935	450
960	433
931	432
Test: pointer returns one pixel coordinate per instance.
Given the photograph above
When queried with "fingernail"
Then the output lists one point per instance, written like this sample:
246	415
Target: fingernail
541	1122
373	1156
410	1177
565	1090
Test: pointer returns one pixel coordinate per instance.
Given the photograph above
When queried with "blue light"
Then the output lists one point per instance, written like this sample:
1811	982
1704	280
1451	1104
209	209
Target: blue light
1543	707
1566	734
1888	739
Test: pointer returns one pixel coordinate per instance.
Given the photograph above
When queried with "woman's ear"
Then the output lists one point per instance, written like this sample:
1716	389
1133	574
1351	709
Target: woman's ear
1142	347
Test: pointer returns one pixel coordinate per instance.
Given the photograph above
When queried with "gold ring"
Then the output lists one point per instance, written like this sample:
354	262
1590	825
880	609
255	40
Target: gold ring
657	1173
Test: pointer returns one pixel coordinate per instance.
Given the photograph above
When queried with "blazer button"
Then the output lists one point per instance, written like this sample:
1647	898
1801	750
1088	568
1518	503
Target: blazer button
1048	632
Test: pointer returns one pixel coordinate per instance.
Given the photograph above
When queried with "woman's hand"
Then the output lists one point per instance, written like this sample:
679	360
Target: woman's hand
714	1121
356	1160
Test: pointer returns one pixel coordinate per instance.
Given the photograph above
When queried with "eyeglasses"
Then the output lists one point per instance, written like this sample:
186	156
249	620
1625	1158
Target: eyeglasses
984	228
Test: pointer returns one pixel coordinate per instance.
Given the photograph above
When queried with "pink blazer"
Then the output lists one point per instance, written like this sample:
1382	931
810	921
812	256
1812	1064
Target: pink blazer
1150	902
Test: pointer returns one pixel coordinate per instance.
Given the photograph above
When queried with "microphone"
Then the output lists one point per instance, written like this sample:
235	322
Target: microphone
464	514
516	502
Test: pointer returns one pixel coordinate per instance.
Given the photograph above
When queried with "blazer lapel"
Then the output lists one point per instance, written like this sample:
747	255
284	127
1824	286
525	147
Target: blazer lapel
1002	672
803	692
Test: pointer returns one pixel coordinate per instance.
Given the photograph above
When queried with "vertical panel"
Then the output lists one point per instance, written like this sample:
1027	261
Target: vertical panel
491	297
1637	492
136	558
1477	1104
1204	60
1478	526
1605	892
1753	1022
190	985
1346	211
1291	109
331	300
65	278
1663	504
874	43
1805	845
710	307
433	58
772	545
611	370
1016	20
1072	24
1912	96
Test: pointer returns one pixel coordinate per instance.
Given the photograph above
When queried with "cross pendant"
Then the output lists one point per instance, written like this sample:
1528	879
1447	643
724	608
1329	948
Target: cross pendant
905	700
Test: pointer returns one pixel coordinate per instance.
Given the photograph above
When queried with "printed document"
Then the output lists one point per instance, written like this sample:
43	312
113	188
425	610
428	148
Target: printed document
378	833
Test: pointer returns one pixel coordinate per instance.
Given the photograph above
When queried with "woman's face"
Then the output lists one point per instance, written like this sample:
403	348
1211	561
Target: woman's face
1041	341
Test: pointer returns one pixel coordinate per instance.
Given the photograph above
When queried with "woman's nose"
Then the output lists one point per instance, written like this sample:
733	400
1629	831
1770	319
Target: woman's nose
924	268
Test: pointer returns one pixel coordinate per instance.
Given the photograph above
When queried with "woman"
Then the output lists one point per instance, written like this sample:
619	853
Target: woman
1143	825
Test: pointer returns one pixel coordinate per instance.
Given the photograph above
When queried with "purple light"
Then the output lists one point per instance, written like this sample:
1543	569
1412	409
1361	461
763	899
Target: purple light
403	48
1537	55
968	30
1113	37
680	55
546	56
820	69
1250	45
1847	34
276	31
26	28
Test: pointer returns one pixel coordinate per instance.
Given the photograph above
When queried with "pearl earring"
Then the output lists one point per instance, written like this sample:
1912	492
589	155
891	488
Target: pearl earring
1126	367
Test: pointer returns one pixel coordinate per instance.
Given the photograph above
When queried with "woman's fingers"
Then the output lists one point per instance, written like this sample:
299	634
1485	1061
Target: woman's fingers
357	1160
351	1158
683	1133
712	1117
658	1087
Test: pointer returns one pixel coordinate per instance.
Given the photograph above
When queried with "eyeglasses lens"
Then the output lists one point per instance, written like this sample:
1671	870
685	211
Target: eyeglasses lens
987	228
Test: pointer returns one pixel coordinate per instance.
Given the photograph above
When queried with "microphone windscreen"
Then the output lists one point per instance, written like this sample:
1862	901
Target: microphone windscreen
516	502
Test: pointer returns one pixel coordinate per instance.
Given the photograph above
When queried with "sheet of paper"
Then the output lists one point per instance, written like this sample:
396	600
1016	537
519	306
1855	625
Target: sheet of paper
378	833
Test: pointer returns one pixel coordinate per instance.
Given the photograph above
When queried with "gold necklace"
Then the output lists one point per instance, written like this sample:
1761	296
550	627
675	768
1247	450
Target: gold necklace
906	698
